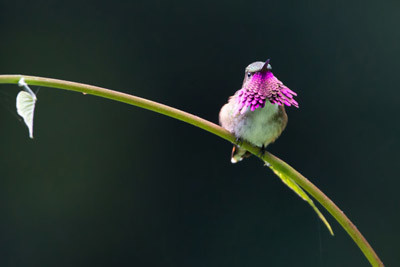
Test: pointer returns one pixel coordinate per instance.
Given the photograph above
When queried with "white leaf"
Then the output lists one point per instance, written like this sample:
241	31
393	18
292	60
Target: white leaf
25	108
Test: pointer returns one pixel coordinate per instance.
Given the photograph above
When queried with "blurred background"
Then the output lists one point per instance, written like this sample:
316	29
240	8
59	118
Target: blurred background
107	184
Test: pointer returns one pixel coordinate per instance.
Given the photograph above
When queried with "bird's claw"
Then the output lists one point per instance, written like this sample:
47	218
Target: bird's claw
262	151
239	141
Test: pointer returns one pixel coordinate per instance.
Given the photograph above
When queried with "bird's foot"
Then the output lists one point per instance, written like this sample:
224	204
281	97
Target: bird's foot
239	141
262	151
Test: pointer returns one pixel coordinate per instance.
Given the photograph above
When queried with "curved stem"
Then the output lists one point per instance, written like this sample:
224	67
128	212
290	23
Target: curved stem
277	163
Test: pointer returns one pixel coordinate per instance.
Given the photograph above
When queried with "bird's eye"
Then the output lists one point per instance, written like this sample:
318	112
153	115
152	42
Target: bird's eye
248	75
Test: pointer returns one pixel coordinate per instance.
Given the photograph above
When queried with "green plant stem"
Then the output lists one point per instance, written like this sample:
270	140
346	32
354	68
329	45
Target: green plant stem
277	163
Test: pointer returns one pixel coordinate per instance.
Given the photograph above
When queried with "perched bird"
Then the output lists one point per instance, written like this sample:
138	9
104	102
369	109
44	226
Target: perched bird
256	113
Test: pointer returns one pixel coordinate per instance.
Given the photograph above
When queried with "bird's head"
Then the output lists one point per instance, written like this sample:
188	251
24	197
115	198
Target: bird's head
255	67
261	86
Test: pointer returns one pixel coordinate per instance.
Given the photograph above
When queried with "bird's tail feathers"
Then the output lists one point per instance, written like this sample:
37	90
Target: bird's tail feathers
239	154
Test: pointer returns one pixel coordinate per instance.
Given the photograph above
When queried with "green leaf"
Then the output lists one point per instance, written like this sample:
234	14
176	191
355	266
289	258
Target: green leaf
299	191
25	108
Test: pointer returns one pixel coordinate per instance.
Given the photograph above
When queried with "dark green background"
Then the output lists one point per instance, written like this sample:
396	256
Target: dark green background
107	184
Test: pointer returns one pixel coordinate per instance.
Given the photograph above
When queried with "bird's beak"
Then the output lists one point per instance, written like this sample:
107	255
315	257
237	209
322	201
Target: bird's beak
266	66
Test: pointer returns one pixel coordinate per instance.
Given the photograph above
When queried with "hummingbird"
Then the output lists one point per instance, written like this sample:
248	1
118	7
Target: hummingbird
256	112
